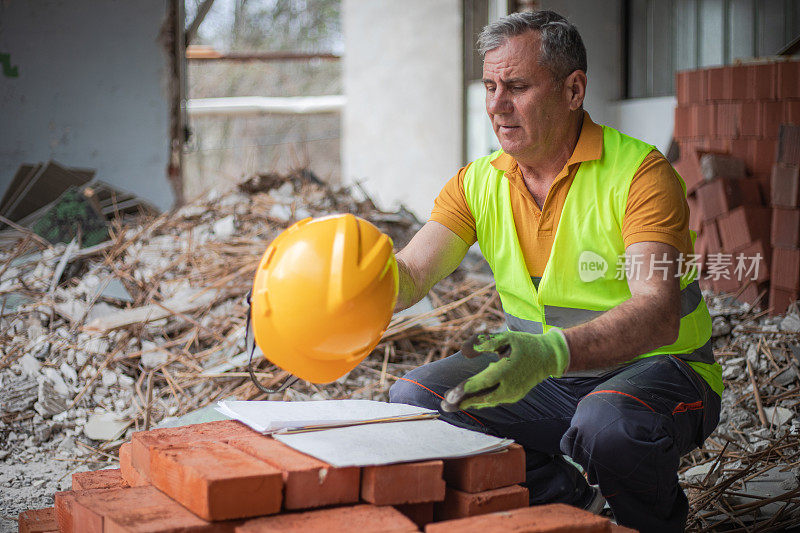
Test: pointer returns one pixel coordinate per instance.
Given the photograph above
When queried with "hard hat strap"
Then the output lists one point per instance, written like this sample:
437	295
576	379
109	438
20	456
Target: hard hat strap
250	343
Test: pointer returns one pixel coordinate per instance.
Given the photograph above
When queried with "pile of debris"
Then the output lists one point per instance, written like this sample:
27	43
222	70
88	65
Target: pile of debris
747	475
129	334
99	342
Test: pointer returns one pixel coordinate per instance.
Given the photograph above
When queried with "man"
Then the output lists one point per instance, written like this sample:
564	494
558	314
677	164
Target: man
613	369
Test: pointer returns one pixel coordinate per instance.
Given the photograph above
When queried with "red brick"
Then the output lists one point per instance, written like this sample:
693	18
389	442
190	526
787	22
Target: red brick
739	148
786	227
781	299
771	116
721	195
688	167
720	145
743	225
131	476
419	513
722	285
788	85
403	483
358	518
703	120
64	504
486	471
308	482
460	504
695	217
683	123
98	479
553	518
143	441
38	521
757	251
791	112
754	294
133	509
736	80
696	80
750	119
761	81
785	181
715	84
786	268
216	481
789	145
727	124
682	88
761	155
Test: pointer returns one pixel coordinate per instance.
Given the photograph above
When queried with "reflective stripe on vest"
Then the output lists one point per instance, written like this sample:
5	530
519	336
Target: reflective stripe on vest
579	281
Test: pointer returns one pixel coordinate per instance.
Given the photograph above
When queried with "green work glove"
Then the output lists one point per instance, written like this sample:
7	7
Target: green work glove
533	359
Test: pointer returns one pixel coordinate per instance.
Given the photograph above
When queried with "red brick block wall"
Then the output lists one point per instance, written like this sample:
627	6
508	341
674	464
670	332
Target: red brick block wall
756	118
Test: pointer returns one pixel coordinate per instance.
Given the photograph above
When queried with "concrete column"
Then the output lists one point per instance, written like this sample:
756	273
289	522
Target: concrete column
402	125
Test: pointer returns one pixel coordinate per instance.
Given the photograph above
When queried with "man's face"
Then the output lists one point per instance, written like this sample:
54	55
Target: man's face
528	109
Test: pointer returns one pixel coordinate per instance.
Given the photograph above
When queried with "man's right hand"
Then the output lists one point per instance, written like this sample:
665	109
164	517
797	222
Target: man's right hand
531	359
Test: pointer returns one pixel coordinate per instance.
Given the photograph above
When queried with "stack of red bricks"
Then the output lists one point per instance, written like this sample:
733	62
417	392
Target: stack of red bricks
728	125
223	477
785	282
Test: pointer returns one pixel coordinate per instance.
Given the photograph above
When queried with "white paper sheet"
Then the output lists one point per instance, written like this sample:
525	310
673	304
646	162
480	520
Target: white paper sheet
268	417
392	442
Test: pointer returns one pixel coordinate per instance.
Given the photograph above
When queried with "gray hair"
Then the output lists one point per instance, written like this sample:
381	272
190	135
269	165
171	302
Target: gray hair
562	49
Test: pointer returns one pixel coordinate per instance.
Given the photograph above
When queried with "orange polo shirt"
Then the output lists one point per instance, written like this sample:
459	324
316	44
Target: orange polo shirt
656	208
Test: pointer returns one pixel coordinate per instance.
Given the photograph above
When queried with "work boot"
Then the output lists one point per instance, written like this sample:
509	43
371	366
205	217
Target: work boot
551	479
596	502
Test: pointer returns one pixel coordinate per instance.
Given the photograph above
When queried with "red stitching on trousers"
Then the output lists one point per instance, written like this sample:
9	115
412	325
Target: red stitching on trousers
683	407
440	397
624	394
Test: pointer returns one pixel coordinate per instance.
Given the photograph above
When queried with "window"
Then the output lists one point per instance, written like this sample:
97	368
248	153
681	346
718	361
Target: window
668	35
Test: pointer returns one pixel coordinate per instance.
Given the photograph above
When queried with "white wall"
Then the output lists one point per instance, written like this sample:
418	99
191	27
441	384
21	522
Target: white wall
402	125
649	119
91	91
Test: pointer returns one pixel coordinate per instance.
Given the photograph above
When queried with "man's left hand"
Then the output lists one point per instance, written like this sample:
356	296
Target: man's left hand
532	359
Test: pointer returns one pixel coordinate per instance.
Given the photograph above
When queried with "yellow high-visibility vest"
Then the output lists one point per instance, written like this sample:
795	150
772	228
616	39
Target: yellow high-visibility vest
581	279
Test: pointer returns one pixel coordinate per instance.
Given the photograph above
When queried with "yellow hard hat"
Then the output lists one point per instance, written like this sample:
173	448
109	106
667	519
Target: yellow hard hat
323	295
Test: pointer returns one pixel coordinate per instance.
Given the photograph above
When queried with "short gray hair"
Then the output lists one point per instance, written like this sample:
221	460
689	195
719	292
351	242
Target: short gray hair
562	49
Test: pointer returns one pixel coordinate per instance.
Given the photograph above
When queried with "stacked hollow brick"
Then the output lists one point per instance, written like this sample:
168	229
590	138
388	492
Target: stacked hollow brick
741	114
223	477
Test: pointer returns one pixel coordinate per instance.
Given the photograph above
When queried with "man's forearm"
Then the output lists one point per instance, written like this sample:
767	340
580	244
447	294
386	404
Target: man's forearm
632	328
407	294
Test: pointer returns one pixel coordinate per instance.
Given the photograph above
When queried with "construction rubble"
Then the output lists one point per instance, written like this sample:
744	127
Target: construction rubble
100	345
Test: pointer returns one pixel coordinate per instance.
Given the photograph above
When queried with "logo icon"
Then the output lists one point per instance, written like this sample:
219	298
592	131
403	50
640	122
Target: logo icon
591	266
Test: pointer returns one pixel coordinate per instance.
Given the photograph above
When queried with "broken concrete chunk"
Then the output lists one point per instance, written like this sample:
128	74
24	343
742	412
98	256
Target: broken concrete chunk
153	358
778	416
697	474
69	373
17	393
30	365
115	290
786	377
104	425
280	212
108	378
49	402
224	227
720	327
790	324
